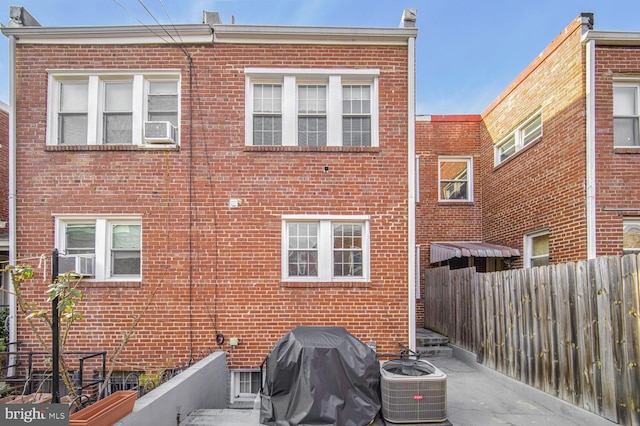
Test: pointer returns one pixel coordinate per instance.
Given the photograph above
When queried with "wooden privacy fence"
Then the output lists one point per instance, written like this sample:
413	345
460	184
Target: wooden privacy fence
570	330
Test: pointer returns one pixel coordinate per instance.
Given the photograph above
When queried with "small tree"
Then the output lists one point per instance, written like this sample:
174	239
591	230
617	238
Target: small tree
65	289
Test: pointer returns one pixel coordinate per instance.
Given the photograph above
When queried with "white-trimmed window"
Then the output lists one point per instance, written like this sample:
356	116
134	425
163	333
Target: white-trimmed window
526	133
100	248
626	114
245	385
455	178
536	249
113	108
325	248
311	107
631	236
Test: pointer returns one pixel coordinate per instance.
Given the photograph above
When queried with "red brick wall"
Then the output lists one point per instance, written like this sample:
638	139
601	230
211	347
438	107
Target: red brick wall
228	278
617	170
445	221
542	186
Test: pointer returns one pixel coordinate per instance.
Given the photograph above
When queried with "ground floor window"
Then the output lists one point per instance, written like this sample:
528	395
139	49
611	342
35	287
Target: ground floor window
536	249
245	385
631	236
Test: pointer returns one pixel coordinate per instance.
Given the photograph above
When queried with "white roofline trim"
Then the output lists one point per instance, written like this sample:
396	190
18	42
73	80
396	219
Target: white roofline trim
612	38
178	34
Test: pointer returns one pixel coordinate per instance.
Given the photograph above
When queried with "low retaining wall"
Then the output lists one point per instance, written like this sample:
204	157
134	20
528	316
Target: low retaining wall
203	385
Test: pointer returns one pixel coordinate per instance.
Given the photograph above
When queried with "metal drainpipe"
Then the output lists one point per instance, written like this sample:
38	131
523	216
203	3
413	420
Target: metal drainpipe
412	195
13	310
591	148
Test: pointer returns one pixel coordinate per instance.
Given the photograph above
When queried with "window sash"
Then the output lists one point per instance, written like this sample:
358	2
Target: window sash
162	101
537	249
347	250
125	250
312	115
455	179
356	121
631	236
626	117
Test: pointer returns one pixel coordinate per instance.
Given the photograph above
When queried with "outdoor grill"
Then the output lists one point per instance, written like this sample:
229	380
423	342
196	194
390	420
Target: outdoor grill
320	376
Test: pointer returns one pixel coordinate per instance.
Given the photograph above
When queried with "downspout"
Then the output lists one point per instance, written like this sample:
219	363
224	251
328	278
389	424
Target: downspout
409	20
13	311
591	148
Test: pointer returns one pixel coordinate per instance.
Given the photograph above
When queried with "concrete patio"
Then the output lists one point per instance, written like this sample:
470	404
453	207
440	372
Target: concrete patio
476	395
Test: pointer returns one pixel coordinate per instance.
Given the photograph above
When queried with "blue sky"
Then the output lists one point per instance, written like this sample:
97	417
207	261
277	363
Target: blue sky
467	51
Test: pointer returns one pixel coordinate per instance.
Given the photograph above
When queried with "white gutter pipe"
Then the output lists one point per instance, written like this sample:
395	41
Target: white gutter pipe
13	310
591	148
411	161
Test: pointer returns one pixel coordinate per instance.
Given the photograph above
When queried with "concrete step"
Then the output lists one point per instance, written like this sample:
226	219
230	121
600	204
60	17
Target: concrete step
430	338
434	351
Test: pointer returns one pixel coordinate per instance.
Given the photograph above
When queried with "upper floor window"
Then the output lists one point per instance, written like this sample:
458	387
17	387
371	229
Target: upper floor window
631	236
115	108
527	132
312	107
536	249
325	248
455	177
100	248
626	115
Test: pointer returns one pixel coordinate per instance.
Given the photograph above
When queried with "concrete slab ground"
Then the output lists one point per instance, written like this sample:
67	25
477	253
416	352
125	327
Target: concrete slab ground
476	396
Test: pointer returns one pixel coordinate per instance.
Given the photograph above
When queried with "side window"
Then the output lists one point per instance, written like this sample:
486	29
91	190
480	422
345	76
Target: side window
536	249
455	178
527	132
631	236
625	115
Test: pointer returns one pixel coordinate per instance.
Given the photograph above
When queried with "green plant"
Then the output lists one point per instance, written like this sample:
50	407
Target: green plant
4	332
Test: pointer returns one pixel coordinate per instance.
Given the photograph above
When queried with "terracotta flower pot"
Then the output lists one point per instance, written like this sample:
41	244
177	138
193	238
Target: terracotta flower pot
105	412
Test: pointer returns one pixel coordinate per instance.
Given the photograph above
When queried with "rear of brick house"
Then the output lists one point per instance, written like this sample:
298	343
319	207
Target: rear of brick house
252	178
548	178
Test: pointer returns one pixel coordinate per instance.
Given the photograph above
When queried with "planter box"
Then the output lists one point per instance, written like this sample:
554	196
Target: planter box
105	412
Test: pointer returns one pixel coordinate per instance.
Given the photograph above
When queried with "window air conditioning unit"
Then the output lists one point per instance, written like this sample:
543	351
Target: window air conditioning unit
160	132
413	391
83	265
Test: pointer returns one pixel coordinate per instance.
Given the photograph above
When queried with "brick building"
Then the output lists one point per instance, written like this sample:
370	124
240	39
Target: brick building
4	201
251	178
550	170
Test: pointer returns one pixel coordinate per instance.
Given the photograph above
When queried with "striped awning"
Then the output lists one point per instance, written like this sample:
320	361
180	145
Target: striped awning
448	250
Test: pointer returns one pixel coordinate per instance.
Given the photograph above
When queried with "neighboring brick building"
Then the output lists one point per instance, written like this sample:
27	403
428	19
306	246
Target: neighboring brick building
552	181
255	178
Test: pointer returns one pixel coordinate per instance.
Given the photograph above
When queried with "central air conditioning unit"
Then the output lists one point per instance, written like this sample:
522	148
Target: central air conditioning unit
82	265
160	132
413	391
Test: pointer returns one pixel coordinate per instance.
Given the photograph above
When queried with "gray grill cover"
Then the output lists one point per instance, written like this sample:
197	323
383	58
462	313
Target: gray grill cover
320	376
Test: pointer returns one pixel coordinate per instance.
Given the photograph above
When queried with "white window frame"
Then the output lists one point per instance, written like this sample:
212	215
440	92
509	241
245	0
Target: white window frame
457	159
519	137
630	221
234	387
528	247
96	80
290	79
103	225
325	247
635	84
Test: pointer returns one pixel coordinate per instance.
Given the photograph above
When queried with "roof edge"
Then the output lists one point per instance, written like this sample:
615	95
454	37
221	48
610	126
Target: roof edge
613	38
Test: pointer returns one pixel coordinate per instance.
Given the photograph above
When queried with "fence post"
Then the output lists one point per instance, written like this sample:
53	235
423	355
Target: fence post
55	329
